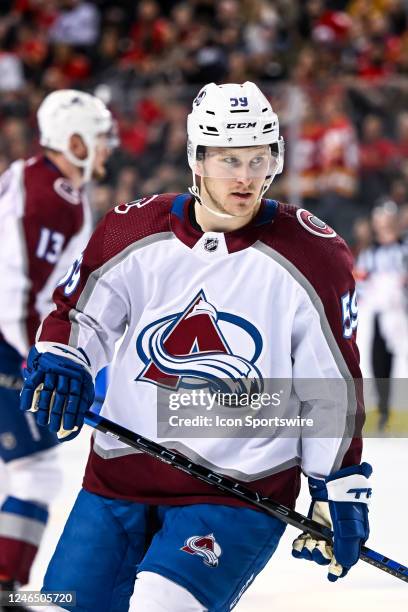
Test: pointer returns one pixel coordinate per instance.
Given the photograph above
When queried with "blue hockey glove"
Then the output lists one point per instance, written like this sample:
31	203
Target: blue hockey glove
339	502
58	389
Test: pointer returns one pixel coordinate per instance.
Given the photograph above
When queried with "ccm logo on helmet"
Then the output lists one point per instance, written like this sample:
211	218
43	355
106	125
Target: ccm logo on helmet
241	125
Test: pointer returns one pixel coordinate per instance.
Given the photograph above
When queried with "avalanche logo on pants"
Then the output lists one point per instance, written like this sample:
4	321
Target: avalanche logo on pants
190	349
205	547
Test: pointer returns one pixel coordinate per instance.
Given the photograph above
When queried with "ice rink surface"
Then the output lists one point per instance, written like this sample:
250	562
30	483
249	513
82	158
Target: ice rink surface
288	584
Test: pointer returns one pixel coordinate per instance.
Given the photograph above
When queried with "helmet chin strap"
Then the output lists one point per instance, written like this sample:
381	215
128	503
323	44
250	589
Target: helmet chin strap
86	164
195	191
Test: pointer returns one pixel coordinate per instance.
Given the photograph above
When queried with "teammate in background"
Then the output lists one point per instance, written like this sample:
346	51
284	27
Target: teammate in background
45	222
227	288
382	274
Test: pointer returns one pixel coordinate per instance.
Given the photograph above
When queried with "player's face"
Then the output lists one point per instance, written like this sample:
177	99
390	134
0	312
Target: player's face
103	150
385	226
232	178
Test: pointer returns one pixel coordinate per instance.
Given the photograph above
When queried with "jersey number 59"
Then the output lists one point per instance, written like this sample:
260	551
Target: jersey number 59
349	313
71	278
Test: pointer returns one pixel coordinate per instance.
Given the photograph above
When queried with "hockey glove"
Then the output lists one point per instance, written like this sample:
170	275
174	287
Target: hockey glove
339	502
58	389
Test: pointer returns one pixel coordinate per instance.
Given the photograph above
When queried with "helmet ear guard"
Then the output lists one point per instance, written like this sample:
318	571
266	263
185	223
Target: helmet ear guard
278	150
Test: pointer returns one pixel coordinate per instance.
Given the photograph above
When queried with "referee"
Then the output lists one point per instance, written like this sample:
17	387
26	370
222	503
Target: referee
382	275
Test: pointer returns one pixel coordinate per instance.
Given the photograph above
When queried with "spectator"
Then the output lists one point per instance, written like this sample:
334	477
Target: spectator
377	155
108	51
260	33
307	157
127	185
32	48
133	49
339	161
402	135
182	18
74	67
399	191
147	34
77	24
11	72
133	135
362	240
16	134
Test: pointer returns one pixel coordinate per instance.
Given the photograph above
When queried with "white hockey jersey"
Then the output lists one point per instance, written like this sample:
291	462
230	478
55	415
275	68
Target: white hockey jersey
44	224
270	301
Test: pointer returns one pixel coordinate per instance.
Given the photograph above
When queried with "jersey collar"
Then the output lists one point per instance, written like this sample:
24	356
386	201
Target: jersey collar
47	162
235	241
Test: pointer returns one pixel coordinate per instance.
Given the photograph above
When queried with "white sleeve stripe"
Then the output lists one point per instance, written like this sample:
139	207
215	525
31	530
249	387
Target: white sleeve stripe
114	453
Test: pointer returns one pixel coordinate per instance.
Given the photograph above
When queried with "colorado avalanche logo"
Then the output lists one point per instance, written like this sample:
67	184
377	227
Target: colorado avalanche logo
67	191
189	349
205	547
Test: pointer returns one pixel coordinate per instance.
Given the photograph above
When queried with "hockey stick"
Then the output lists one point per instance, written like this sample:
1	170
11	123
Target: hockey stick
287	515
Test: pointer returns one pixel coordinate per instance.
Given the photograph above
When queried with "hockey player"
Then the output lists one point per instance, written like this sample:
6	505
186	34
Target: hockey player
225	289
45	224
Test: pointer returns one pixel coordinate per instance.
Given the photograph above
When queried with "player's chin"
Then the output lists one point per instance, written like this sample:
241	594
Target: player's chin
241	206
98	174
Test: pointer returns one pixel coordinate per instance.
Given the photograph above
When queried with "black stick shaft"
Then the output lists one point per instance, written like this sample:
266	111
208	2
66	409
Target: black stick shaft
287	515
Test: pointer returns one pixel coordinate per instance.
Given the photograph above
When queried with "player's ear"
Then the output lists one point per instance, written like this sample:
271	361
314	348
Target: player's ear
200	160
77	146
199	168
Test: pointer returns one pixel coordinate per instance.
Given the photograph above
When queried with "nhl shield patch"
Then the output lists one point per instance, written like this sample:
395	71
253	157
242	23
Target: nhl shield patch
211	244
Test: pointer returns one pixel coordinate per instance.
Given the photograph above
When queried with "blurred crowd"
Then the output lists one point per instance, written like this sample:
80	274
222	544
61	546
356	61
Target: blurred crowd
336	73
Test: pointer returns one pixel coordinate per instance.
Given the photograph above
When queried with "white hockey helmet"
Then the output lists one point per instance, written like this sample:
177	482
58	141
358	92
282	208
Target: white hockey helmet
68	111
233	115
